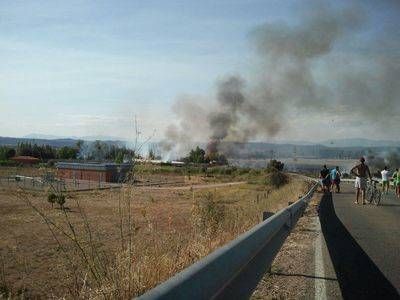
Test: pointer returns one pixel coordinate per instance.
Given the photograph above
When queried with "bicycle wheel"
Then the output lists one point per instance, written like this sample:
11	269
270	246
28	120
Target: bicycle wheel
368	194
377	197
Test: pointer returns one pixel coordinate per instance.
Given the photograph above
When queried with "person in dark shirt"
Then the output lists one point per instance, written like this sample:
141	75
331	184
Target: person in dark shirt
325	179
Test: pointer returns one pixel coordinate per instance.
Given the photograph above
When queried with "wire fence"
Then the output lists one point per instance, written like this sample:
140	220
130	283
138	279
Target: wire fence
61	185
68	185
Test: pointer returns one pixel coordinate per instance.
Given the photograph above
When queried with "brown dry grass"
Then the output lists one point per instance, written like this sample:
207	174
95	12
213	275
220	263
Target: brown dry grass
118	244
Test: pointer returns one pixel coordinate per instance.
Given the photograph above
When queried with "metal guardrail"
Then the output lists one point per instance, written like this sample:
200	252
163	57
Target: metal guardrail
233	271
351	180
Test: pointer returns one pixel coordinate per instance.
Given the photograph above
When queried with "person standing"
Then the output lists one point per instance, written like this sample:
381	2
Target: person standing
325	179
361	171
385	180
396	182
335	178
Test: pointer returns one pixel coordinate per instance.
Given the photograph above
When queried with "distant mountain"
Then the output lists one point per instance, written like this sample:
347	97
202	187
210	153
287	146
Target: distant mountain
38	136
359	142
100	138
12	141
294	142
258	150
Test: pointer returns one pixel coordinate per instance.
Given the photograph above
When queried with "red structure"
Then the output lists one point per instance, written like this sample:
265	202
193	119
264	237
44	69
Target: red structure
104	172
27	160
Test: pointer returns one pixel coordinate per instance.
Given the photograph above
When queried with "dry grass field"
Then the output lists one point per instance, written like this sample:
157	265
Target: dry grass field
120	243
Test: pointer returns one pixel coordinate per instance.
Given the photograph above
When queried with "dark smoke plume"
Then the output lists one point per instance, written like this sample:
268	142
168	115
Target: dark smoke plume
306	69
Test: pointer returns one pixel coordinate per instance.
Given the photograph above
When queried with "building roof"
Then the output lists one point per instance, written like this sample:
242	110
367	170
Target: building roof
91	166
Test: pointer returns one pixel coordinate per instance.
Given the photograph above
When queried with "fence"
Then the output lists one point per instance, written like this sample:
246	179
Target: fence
29	183
62	185
233	271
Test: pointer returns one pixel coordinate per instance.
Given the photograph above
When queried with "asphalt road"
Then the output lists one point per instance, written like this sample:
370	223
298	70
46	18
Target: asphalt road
363	242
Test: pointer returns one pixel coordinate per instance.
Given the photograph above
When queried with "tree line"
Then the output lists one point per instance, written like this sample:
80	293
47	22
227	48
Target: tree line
96	150
199	156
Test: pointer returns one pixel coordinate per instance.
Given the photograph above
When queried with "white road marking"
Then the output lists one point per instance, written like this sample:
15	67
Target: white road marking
320	286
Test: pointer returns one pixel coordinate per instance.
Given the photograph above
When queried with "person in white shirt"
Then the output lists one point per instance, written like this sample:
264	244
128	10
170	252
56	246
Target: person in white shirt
385	180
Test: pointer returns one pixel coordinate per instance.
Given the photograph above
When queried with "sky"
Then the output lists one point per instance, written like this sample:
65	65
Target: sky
87	68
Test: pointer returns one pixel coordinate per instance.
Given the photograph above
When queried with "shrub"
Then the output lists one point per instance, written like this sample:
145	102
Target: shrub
277	179
207	215
56	198
51	198
60	199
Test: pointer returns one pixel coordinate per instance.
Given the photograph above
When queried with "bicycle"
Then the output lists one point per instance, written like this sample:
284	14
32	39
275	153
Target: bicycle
372	193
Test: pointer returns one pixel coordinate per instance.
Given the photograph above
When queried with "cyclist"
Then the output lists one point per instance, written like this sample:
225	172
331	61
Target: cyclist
335	178
361	171
385	179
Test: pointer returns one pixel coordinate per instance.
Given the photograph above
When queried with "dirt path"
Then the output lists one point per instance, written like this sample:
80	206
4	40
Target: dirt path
193	187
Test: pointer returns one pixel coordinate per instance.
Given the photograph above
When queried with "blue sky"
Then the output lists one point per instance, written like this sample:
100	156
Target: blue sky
88	67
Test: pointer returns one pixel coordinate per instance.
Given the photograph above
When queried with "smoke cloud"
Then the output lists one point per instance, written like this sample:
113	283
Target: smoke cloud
378	161
317	67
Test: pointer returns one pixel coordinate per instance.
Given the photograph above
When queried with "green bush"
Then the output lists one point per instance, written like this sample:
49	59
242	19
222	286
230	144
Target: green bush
51	198
8	163
277	179
60	200
56	198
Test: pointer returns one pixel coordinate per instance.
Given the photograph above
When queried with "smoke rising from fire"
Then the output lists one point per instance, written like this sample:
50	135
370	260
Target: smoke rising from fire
317	67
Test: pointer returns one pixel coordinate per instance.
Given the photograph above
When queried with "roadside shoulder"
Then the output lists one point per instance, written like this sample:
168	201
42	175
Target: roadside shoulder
302	269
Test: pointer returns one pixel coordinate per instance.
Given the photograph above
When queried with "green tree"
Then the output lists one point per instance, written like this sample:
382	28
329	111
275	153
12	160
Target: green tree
196	156
6	152
275	165
67	153
119	158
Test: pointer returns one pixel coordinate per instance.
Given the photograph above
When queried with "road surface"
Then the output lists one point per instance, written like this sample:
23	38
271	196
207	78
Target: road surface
363	242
